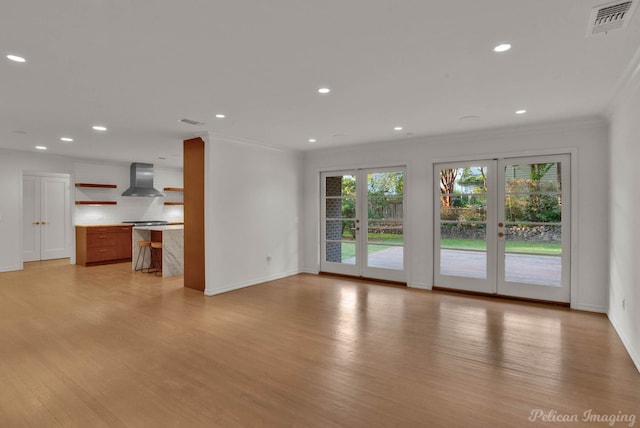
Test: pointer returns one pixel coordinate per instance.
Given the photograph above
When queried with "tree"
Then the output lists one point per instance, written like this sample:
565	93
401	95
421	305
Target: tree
447	184
479	181
348	204
539	209
385	183
537	171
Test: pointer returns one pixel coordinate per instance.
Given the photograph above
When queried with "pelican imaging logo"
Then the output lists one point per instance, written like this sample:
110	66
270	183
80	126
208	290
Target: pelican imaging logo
589	415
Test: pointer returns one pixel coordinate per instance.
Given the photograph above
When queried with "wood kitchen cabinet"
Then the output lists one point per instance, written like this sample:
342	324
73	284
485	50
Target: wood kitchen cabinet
97	245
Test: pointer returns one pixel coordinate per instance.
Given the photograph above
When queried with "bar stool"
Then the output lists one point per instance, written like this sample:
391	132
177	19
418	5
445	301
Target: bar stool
156	258
144	247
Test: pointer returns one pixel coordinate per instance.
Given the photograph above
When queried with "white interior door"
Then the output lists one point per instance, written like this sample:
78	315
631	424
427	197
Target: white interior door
31	218
503	227
47	217
363	223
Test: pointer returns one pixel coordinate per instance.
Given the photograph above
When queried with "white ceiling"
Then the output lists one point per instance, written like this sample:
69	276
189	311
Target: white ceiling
139	66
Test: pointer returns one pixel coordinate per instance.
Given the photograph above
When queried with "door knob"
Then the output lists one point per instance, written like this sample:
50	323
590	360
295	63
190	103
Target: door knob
500	235
357	229
36	222
500	224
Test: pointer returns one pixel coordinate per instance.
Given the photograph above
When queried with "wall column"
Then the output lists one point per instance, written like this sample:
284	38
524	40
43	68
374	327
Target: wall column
194	260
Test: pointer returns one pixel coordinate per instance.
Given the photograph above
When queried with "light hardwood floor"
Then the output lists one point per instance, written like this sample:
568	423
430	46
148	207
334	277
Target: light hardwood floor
103	346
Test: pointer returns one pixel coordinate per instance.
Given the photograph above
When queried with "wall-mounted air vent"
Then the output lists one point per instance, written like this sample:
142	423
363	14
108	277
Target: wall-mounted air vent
610	16
192	122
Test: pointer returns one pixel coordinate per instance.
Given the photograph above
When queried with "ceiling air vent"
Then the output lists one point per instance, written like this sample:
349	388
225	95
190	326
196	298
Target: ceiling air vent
610	16
192	122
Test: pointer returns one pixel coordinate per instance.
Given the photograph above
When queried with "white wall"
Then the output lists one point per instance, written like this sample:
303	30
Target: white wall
624	279
128	208
588	139
12	166
253	198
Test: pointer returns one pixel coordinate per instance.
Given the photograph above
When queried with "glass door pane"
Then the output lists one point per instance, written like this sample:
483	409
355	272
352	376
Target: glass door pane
340	223
385	220
463	245
363	223
535	215
463	222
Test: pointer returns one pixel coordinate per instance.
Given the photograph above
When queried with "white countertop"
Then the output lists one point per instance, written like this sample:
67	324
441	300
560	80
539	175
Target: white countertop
160	228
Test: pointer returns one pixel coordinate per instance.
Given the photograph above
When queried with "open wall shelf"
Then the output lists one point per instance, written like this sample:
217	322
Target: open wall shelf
173	189
97	186
96	203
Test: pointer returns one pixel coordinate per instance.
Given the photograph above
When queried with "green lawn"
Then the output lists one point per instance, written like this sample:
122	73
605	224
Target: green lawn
380	238
349	250
552	248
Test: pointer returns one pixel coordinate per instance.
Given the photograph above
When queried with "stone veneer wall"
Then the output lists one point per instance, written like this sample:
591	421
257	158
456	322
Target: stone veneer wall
334	228
514	233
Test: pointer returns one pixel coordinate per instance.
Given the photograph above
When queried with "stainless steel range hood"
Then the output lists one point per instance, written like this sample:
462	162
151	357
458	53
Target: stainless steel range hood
142	181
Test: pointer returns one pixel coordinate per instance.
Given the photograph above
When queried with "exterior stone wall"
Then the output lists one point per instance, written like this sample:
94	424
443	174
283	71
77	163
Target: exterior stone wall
514	233
333	228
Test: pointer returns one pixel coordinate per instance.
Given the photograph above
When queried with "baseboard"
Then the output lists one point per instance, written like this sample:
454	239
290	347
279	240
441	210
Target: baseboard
310	271
590	308
10	268
210	292
625	341
420	285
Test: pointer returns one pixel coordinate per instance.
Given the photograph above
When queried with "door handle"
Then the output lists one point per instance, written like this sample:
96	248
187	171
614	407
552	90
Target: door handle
44	222
500	235
36	222
500	224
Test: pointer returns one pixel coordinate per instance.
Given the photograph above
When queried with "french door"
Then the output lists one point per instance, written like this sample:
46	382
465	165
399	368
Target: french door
46	230
363	223
503	227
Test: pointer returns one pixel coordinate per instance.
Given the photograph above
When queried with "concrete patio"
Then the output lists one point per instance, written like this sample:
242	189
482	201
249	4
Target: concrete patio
525	268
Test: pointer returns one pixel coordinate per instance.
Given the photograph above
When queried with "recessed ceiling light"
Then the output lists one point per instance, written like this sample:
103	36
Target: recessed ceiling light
220	116
521	111
41	148
16	58
312	140
99	128
502	47
324	90
66	139
398	128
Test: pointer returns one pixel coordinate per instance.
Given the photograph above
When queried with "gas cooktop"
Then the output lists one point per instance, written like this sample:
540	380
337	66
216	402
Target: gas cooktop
147	222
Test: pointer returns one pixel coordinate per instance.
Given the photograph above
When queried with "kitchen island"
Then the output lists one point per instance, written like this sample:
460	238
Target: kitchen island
172	238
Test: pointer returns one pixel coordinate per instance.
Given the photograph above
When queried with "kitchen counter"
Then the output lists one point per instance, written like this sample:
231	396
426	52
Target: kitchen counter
172	247
161	228
102	225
